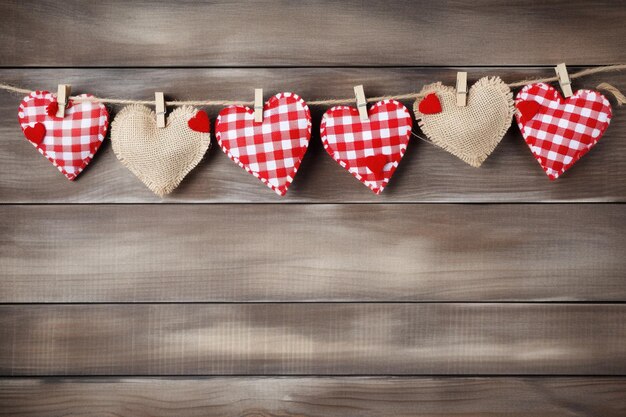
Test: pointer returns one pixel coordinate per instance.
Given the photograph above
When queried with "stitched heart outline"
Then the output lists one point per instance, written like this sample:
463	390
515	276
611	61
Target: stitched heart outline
559	131
271	150
71	142
370	150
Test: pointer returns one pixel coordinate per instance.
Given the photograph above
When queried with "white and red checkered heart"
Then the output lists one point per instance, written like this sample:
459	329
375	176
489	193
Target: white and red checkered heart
271	150
560	131
70	142
369	150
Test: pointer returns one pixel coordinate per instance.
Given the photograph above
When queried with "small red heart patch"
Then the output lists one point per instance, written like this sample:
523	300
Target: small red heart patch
35	133
370	150
69	143
560	131
200	122
272	150
430	104
528	109
376	164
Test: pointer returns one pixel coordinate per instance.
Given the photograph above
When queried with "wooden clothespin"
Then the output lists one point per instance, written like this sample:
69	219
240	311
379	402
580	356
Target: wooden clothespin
361	102
159	98
564	81
63	97
258	105
461	88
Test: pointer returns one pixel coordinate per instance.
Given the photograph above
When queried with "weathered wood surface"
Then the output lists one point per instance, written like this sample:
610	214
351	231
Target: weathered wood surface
432	254
267	33
427	173
302	397
317	338
345	252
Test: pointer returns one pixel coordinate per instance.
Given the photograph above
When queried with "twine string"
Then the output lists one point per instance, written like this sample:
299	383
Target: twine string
619	97
423	139
331	102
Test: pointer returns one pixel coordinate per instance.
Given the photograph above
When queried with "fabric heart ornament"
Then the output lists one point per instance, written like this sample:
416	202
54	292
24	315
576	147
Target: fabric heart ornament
470	132
370	150
560	131
69	142
160	157
271	150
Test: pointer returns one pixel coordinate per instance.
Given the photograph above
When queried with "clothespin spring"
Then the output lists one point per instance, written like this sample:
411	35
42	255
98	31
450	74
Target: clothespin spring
461	88
159	99
63	99
564	81
258	105
361	102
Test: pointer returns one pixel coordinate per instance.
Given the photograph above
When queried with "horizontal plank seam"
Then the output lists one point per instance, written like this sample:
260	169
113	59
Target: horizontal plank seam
309	203
460	65
473	302
320	376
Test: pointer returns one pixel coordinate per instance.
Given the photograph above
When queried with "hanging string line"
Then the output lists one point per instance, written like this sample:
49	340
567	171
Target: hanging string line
423	139
330	102
621	99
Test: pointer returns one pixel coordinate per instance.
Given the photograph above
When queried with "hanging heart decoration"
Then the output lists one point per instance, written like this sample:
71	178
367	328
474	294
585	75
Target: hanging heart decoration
271	150
469	125
160	157
69	143
469	132
559	131
370	150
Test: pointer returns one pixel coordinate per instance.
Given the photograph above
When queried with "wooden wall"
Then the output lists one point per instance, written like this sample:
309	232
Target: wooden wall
458	292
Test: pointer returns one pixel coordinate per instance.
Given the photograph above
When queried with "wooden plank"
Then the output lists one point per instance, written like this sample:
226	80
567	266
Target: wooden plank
312	253
272	33
318	338
427	173
341	397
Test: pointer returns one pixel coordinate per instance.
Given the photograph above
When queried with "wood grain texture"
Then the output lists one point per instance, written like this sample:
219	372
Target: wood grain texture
318	338
357	252
270	33
427	173
368	255
302	397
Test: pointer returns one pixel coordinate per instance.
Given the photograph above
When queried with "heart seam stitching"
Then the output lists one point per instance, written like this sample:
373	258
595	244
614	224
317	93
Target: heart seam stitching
85	161
278	190
522	125
345	164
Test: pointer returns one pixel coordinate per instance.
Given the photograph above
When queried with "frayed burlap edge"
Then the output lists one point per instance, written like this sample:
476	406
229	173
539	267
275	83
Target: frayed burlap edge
473	160
190	164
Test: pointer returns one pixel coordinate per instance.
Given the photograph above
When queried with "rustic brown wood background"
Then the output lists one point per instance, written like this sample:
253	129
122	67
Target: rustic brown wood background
458	292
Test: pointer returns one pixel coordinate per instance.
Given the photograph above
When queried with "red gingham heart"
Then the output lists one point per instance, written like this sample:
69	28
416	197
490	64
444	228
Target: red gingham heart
369	150
70	142
273	149
560	131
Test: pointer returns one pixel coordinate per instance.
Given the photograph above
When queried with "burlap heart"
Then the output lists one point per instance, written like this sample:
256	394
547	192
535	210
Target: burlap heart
159	157
471	132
